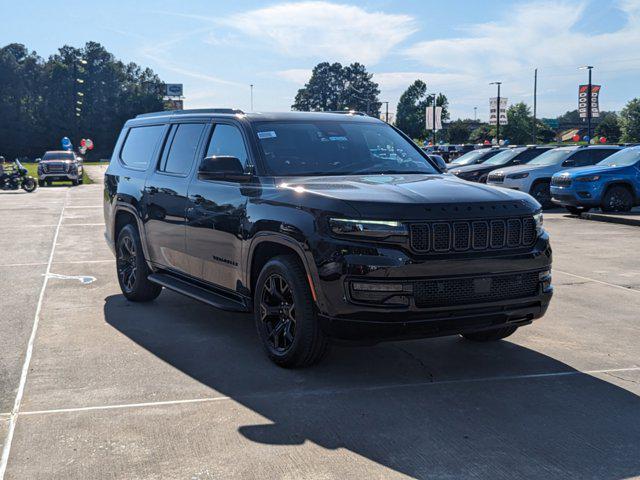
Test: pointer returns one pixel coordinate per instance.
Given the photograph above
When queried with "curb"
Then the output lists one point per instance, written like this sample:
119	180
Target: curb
633	220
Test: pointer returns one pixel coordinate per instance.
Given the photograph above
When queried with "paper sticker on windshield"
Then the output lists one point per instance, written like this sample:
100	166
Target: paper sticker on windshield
338	139
269	134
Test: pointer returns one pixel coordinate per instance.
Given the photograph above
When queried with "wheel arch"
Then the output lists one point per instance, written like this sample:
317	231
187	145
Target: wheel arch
621	183
125	214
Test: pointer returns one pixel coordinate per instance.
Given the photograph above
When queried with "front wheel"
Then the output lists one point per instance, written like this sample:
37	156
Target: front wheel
617	199
29	185
542	193
285	315
41	183
132	268
490	335
74	183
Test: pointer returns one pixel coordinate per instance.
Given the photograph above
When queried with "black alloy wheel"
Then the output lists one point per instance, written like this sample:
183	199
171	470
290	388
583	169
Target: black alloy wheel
617	199
278	313
132	268
542	193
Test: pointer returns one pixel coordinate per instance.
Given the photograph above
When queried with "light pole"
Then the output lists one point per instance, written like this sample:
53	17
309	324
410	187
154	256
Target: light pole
251	86
497	112
475	114
433	96
535	105
386	113
588	67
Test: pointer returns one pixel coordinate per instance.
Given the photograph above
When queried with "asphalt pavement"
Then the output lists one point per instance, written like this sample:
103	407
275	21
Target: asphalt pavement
93	386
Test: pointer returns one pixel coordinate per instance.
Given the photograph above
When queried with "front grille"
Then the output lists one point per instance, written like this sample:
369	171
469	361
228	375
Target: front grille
469	235
496	178
55	167
465	291
561	181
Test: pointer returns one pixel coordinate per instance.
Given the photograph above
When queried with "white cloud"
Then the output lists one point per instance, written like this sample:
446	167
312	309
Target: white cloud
538	34
321	29
295	75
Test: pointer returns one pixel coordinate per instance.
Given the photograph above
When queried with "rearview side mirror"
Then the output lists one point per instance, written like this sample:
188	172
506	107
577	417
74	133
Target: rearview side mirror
569	163
224	168
440	163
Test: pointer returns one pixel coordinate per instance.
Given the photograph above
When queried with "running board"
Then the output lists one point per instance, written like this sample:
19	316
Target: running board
198	293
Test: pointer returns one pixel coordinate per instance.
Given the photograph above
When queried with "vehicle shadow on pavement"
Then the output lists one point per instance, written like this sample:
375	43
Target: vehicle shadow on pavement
430	408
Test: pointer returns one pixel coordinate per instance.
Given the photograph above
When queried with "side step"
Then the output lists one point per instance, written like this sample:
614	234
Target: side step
198	293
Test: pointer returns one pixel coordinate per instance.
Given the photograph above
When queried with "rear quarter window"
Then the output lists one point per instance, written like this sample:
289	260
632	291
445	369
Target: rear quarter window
140	146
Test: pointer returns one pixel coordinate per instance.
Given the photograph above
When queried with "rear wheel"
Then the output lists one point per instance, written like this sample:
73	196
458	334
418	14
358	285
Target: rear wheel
285	315
41	183
617	199
132	268
490	335
577	210
541	192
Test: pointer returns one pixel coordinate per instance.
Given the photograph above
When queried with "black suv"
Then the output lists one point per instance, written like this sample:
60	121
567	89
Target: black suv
324	225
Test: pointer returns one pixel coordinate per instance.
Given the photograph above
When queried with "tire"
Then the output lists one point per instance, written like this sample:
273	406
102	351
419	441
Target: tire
285	315
490	335
41	183
617	199
29	185
542	193
131	267
577	210
48	182
74	183
80	181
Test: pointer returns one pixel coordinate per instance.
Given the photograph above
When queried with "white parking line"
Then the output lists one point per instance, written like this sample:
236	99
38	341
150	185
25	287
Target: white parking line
627	289
330	391
27	360
84	206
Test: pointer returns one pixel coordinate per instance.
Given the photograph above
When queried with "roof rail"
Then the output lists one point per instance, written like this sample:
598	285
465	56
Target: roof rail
231	111
347	112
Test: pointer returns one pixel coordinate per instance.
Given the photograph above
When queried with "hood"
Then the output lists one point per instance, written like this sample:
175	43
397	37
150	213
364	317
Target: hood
410	196
590	170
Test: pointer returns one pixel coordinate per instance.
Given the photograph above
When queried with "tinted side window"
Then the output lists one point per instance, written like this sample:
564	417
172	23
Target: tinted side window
227	140
530	154
601	154
582	158
180	150
138	148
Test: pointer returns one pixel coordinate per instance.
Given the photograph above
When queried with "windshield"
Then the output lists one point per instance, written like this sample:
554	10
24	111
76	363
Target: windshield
624	158
337	148
468	158
502	157
551	157
58	156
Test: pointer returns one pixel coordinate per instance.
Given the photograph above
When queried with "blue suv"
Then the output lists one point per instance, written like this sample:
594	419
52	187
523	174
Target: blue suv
612	184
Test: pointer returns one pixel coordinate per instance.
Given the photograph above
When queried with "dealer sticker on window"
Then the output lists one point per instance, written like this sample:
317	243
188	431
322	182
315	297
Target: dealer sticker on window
269	134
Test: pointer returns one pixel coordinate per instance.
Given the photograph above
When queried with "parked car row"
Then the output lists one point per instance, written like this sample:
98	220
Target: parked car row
576	177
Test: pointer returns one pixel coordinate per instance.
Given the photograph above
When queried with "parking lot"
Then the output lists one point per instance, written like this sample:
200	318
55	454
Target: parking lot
176	389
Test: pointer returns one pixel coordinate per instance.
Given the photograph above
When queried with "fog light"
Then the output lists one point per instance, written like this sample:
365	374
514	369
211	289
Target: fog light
544	274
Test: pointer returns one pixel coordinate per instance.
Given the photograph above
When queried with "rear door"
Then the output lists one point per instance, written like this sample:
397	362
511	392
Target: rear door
165	195
216	212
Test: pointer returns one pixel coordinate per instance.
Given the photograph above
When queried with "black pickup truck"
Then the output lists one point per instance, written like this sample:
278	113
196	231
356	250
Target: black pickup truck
324	225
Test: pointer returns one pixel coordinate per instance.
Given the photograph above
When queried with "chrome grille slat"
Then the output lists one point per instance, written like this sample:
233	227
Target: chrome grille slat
472	235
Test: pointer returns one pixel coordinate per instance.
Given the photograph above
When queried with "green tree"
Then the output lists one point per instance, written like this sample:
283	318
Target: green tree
630	121
410	112
519	129
460	130
333	87
609	127
482	133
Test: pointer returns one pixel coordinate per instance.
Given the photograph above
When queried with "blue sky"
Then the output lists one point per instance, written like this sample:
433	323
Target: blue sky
217	48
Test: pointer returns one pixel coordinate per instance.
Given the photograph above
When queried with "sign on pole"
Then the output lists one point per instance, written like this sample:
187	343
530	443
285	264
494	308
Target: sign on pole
583	93
429	116
173	90
493	110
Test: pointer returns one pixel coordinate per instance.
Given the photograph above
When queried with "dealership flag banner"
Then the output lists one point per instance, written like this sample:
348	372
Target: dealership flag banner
429	113
583	93
493	110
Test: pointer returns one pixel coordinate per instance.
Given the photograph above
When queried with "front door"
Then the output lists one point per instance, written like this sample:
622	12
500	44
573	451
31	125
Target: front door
215	214
165	195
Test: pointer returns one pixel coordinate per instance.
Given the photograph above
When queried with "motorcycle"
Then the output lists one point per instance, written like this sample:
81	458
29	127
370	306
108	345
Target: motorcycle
17	179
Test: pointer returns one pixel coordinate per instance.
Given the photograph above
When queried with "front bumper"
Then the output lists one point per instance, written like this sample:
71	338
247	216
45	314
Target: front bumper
578	194
343	316
57	177
521	184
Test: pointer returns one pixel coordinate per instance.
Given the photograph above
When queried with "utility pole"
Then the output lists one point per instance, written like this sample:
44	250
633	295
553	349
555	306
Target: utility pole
251	85
497	112
589	89
475	114
386	113
535	104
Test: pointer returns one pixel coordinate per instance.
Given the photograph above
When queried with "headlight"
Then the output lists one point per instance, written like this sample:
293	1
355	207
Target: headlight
379	229
516	176
539	221
591	178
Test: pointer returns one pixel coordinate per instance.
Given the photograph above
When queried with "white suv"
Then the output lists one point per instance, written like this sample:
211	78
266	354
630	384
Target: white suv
534	177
